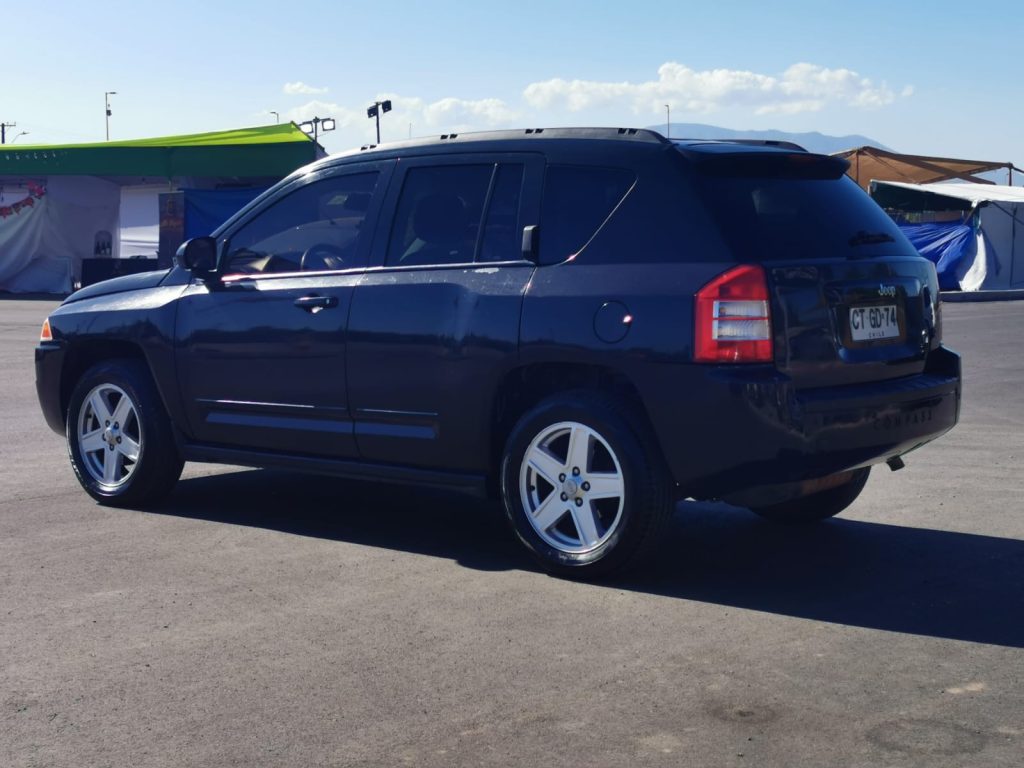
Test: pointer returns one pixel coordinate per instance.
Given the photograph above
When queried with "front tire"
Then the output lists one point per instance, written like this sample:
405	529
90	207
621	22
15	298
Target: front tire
119	436
584	485
817	506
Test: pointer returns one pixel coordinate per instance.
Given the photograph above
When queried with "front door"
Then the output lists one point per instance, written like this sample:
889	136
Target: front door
261	351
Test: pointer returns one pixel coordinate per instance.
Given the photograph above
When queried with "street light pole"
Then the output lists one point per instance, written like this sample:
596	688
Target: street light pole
375	110
20	134
106	103
317	124
3	131
668	122
277	117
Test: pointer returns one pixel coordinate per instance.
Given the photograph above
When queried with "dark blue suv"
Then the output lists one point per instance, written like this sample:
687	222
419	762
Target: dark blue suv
588	323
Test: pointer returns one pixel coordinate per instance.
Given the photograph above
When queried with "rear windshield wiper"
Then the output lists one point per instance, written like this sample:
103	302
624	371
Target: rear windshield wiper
870	238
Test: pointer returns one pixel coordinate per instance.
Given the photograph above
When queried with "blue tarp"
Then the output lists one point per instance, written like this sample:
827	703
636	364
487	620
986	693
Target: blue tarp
207	209
946	244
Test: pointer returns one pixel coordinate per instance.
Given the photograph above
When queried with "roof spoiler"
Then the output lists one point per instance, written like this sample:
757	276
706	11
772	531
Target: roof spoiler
770	143
790	145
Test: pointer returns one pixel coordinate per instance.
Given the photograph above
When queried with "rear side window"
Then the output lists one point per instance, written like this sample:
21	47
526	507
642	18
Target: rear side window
458	214
438	215
785	211
577	201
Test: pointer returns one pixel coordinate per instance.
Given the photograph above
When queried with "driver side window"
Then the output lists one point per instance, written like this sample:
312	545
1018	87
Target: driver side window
317	227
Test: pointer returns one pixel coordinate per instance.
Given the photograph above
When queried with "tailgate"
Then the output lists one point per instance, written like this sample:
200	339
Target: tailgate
852	321
851	301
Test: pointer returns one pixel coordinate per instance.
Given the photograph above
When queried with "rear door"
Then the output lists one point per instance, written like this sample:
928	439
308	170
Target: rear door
851	299
435	323
261	353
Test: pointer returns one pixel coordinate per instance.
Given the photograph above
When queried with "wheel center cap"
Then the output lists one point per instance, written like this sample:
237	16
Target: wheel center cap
571	487
110	434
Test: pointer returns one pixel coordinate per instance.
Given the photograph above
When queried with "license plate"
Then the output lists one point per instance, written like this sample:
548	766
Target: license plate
876	322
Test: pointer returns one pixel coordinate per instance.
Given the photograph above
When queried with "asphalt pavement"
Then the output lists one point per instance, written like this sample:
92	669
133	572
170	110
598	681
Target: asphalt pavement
269	619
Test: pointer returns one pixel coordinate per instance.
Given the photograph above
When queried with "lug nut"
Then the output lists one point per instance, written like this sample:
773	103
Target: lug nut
579	502
585	486
576	471
561	478
119	439
116	425
565	497
106	423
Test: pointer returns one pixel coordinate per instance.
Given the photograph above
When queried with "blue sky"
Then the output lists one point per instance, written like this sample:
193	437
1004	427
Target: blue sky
926	77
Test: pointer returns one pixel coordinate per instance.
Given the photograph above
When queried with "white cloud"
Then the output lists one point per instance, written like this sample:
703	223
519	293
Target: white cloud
489	112
299	88
316	108
800	88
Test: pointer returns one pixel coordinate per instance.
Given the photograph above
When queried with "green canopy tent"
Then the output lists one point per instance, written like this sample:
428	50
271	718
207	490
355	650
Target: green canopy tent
266	151
62	205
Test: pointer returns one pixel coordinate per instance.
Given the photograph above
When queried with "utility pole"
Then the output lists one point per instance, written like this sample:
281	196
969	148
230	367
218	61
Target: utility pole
106	101
3	131
668	122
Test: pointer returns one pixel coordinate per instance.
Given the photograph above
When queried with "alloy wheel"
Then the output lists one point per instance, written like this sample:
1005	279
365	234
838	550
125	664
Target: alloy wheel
109	436
572	487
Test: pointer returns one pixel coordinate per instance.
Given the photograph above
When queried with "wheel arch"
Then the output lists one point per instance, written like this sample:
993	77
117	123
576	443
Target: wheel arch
83	354
523	387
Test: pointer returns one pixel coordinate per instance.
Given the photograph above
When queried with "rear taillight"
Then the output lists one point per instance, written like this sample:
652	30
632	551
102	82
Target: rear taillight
733	322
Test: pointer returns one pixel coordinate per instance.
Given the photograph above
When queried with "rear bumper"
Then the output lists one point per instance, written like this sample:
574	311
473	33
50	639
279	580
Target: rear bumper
744	428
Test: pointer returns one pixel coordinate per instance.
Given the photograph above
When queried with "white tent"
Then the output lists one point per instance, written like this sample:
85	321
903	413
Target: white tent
50	227
997	262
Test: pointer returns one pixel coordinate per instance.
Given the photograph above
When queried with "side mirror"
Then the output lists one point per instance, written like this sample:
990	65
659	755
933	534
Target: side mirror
198	255
531	242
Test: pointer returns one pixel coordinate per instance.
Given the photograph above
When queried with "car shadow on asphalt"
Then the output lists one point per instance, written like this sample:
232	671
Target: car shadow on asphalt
406	518
915	580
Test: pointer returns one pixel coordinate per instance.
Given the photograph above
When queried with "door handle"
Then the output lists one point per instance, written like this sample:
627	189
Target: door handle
314	304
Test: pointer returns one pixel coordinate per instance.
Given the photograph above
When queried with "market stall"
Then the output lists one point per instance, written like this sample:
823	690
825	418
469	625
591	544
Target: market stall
62	206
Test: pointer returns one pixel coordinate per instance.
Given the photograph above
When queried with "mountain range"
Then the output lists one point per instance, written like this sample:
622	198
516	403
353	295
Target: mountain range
812	142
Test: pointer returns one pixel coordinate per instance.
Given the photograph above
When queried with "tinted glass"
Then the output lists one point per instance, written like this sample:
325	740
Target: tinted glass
317	227
437	220
577	200
774	217
503	230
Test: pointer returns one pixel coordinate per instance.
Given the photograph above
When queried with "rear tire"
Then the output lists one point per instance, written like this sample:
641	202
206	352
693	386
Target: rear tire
584	485
119	436
817	506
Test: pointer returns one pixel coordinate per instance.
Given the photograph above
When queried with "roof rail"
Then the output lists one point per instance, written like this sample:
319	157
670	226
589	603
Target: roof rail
627	134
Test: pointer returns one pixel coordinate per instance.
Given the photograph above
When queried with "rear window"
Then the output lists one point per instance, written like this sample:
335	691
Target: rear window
794	207
577	200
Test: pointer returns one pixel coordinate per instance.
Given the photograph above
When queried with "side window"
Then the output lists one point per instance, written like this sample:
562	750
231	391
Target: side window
577	200
316	227
437	220
503	230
